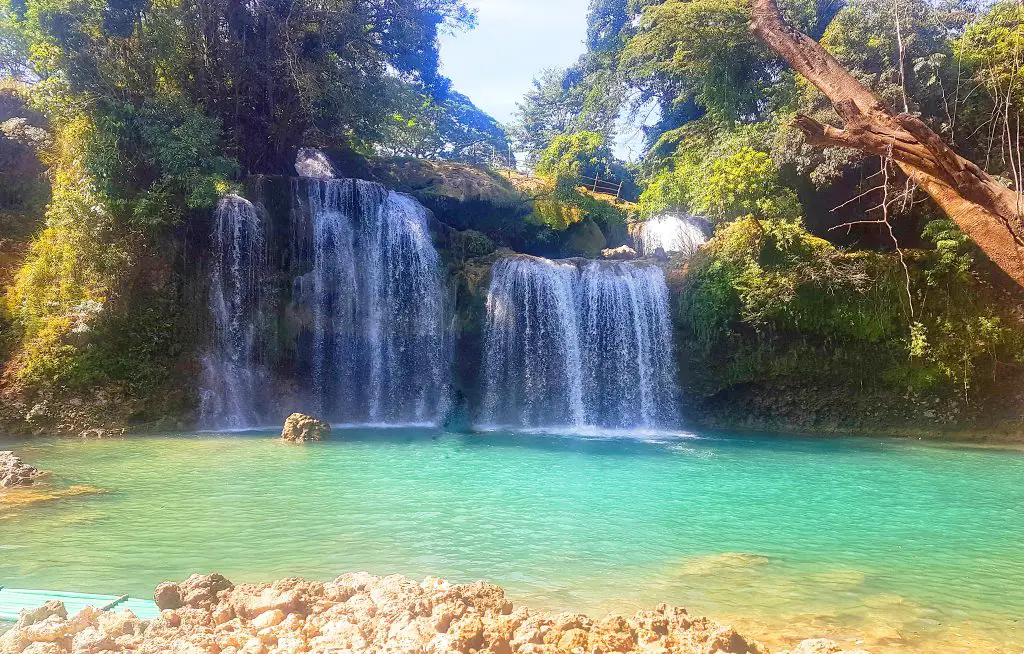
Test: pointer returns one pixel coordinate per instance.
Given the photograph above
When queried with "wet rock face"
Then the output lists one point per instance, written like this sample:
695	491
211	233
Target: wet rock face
300	428
14	472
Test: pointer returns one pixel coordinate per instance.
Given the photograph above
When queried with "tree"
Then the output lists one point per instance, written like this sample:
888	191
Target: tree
585	96
987	211
451	128
700	50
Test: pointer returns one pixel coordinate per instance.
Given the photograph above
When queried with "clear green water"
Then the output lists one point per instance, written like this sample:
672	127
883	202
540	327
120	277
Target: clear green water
907	547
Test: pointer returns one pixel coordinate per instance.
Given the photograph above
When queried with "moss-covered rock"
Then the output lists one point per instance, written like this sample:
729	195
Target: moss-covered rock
586	239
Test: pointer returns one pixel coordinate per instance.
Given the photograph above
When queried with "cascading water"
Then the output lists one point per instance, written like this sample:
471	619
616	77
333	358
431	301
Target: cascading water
232	375
578	344
680	235
533	366
626	340
378	346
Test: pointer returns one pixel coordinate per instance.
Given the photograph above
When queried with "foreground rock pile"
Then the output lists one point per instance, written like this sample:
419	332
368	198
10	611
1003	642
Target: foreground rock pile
362	613
14	472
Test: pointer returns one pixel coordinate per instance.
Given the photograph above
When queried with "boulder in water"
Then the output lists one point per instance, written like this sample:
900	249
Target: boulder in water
300	428
621	253
14	472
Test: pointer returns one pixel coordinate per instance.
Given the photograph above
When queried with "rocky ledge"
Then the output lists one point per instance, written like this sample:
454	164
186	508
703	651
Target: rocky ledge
363	613
14	472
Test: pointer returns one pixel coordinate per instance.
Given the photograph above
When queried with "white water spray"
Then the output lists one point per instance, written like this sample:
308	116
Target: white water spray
676	235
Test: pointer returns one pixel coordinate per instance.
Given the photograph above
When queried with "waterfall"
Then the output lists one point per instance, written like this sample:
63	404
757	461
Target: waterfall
378	346
232	378
578	344
532	366
626	340
680	235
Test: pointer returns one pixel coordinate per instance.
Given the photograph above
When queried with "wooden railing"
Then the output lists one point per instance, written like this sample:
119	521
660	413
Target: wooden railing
605	186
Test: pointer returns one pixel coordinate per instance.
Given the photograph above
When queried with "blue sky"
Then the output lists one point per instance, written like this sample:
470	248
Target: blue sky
513	42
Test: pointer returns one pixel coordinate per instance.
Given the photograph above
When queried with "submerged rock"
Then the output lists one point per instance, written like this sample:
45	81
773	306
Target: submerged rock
300	428
820	646
14	472
363	613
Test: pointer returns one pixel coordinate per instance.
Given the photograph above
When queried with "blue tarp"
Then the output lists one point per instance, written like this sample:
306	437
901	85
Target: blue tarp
13	600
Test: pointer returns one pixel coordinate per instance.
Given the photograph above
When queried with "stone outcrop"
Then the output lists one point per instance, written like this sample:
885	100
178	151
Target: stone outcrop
621	253
362	613
300	428
14	472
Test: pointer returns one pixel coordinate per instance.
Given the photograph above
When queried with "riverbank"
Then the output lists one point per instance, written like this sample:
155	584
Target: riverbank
359	612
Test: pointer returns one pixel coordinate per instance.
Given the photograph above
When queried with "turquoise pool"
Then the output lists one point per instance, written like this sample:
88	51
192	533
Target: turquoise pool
901	545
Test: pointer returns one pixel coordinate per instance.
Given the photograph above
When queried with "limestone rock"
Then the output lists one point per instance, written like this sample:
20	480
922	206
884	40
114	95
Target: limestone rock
311	162
168	596
585	238
101	432
197	592
39	413
300	428
14	472
363	613
621	253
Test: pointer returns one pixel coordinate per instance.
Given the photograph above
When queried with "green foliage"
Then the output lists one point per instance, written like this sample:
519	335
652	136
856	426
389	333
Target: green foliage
131	351
567	205
158	161
991	46
584	97
13	45
272	75
864	36
953	258
701	49
452	128
762	290
572	156
722	177
68	274
773	276
746	182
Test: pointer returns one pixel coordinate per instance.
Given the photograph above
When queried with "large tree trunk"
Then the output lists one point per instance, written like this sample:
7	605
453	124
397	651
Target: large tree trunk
986	210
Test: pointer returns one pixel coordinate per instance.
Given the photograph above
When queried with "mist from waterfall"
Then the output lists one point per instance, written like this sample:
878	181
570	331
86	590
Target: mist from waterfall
578	344
379	343
673	234
232	374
